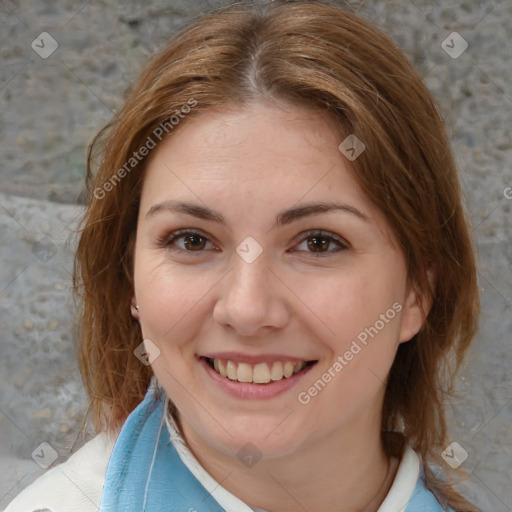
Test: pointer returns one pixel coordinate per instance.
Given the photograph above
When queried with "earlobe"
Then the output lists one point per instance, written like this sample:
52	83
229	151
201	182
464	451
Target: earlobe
412	320
415	310
134	308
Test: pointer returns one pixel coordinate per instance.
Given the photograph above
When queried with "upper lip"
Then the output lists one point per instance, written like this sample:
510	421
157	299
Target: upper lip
238	357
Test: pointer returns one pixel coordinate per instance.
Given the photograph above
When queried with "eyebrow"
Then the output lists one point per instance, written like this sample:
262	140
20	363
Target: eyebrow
283	218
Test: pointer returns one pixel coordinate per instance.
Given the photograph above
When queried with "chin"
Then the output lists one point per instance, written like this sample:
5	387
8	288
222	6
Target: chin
262	441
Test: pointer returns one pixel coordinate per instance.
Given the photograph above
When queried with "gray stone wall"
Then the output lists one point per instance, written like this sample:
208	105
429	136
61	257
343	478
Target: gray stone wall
54	98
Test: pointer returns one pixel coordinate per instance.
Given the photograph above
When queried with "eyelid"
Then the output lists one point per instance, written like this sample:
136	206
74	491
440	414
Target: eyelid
185	231
168	240
343	244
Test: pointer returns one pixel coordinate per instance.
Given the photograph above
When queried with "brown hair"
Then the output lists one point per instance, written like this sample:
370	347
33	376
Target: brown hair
312	52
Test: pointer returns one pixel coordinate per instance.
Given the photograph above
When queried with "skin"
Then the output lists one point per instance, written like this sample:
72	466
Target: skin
248	165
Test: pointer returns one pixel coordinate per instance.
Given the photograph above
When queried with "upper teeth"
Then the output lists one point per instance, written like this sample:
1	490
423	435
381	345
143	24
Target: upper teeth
259	373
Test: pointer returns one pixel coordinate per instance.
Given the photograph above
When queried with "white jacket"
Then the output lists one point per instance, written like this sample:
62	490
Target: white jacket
77	484
73	486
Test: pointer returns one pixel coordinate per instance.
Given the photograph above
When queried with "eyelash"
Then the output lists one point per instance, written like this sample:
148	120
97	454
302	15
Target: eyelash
169	240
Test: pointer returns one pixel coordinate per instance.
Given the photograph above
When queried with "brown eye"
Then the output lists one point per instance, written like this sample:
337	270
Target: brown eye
187	241
194	242
318	244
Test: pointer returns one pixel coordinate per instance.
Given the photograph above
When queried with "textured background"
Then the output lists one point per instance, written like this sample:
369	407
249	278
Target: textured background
49	110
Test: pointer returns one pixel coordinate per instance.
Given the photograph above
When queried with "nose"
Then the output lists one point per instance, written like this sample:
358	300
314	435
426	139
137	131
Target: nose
252	300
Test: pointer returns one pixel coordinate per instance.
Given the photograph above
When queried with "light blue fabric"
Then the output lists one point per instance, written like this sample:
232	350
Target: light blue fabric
146	474
422	499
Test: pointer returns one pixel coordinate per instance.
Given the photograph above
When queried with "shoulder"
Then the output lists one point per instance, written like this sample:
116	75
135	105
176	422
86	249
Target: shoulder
76	484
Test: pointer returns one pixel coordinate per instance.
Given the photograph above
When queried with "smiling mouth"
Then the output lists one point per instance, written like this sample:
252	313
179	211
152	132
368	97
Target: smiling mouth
261	373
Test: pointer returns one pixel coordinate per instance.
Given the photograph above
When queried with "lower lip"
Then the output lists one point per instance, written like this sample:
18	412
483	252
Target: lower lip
250	390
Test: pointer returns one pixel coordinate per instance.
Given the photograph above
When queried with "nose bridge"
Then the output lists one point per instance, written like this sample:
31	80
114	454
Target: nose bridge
249	283
250	299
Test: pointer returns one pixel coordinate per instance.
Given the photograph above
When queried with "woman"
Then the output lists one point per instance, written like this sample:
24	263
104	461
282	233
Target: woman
276	213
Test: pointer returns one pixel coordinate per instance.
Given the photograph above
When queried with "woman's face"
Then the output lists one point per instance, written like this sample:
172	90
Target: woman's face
285	266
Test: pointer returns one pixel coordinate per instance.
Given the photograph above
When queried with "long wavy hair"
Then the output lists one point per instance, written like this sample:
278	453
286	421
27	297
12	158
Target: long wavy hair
313	53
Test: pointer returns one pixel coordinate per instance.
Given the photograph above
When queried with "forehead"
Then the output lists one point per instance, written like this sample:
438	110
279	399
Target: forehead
248	165
258	144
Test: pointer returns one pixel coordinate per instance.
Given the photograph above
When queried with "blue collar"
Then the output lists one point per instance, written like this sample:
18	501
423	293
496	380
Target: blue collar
145	473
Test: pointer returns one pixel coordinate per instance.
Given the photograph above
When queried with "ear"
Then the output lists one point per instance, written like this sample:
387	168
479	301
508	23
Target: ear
134	310
416	309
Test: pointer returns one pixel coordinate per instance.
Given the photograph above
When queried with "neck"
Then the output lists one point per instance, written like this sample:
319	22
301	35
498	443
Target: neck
344	472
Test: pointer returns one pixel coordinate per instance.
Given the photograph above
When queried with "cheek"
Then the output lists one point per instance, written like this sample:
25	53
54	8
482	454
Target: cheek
170	298
346	301
163	296
361	307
